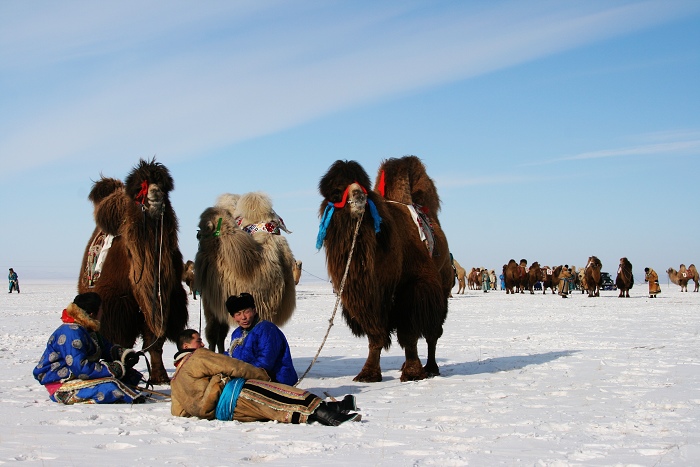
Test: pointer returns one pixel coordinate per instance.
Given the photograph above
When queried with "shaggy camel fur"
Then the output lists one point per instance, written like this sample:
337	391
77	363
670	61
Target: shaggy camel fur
240	250
593	277
140	278
625	279
396	281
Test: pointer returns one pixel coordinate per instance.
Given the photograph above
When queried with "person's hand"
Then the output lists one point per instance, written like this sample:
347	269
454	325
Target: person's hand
130	358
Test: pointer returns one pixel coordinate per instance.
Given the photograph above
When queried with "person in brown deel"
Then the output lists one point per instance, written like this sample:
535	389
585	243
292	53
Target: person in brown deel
652	278
564	277
214	386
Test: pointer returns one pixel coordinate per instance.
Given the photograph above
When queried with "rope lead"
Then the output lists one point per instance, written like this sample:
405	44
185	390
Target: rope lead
337	300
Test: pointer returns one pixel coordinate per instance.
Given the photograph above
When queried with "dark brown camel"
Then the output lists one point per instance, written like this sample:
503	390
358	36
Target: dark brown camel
140	278
593	277
624	280
397	281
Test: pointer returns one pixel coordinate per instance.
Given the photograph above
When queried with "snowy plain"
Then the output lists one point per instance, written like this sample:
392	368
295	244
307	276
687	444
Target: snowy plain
525	380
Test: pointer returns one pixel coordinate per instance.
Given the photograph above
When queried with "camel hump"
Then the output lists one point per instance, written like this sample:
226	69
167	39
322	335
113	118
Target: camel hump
405	180
104	187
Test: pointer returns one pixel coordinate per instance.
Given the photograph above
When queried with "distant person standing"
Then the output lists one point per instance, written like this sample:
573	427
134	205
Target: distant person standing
652	278
502	278
485	280
14	281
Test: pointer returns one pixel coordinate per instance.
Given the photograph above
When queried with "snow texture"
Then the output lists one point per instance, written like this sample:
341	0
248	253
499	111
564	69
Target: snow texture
525	380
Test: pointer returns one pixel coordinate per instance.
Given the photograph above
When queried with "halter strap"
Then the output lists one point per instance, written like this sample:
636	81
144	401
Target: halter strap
141	196
341	204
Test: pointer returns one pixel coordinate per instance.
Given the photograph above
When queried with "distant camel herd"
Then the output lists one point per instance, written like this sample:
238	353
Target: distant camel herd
519	277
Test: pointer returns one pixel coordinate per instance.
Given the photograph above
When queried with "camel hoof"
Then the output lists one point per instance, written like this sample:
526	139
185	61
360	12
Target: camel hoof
158	379
431	371
368	377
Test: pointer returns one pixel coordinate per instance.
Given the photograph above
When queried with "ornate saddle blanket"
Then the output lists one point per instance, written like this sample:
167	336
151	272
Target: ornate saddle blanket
425	228
97	254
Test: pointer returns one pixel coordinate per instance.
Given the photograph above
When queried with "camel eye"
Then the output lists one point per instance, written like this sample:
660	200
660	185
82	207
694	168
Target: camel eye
336	196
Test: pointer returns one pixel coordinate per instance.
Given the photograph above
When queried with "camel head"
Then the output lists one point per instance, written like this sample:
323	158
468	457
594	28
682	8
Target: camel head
345	184
149	184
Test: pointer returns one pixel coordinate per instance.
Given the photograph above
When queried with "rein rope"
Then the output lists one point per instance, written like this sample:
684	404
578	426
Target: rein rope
157	290
337	300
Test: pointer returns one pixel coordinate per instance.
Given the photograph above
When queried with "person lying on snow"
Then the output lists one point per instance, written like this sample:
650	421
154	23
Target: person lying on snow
215	386
81	366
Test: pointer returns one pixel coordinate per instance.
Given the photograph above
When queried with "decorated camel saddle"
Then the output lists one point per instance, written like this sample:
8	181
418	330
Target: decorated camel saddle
96	256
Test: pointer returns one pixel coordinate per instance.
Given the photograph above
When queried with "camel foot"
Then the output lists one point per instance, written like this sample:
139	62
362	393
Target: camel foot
159	377
413	371
366	376
431	370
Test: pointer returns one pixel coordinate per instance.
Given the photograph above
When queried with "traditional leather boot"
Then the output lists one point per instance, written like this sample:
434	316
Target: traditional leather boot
346	405
329	417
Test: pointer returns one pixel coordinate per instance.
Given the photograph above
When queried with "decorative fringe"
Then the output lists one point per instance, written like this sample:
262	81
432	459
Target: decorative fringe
375	215
328	213
325	220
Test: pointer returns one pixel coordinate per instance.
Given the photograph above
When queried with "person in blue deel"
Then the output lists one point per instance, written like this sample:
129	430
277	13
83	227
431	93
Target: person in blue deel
259	342
80	366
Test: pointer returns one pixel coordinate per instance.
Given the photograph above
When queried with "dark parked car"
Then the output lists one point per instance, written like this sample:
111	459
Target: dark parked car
606	282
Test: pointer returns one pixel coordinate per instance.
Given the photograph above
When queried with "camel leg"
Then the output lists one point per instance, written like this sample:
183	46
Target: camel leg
155	351
372	371
215	333
431	367
412	369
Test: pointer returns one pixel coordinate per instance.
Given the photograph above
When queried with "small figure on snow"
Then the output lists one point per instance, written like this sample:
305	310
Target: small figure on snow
14	281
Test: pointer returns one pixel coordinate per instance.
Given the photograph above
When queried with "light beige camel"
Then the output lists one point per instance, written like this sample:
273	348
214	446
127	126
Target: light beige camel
461	274
241	250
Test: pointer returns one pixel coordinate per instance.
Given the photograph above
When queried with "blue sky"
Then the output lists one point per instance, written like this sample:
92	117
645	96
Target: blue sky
554	130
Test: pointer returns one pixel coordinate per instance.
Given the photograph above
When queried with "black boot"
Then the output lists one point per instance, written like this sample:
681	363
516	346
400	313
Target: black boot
346	405
329	417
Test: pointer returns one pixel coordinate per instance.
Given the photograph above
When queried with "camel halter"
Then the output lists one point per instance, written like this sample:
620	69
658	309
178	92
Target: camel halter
337	300
330	208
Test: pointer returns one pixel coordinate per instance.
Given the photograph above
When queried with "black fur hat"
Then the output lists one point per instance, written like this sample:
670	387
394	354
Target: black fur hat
88	301
239	302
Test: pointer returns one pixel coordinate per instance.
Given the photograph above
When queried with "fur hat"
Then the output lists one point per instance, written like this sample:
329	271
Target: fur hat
240	302
88	301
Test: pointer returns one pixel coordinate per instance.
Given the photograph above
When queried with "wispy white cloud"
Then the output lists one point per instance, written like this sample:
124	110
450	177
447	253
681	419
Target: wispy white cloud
671	148
133	78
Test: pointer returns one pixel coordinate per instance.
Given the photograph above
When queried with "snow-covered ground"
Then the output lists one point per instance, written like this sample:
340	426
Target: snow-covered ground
526	380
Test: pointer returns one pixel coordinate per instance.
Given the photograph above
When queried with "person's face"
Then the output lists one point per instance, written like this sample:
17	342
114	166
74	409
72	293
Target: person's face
244	318
195	343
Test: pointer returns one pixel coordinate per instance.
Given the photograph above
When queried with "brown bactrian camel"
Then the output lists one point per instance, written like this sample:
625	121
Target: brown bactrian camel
523	278
683	276
624	280
474	279
133	262
593	277
397	225
188	278
534	275
461	274
511	276
241	250
546	278
297	272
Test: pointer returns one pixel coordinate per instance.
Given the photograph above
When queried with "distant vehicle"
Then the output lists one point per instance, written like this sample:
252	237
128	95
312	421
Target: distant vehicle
606	282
